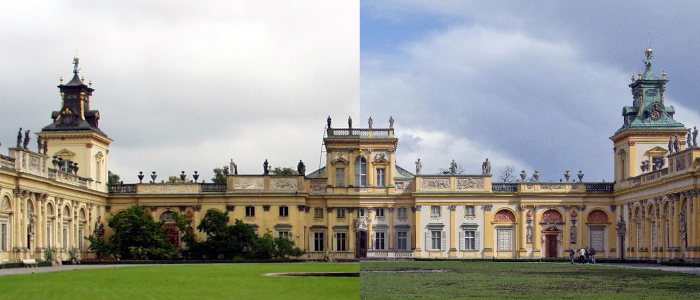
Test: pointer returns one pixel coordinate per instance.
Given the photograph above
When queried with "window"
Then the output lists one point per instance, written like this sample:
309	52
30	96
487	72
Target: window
504	239
639	236
379	240
667	235
49	236
469	240
435	211
340	177
318	213
402	212
318	241
341	213
80	238
65	236
284	211
469	210
285	234
402	240
380	212
3	237
597	239
340	241
381	177
436	239
250	211
361	212
361	171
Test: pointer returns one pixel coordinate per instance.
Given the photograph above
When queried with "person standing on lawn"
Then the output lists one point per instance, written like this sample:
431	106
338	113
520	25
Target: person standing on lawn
572	253
592	252
588	254
582	254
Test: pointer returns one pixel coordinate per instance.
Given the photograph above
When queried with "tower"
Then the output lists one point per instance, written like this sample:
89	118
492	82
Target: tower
647	126
74	134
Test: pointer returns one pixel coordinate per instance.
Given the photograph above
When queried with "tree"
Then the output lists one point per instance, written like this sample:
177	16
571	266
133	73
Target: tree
174	179
138	236
223	240
283	171
220	175
113	178
507	174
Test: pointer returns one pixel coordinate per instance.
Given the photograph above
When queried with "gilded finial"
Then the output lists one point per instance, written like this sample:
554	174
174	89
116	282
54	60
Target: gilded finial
632	79
639	74
60	80
82	79
90	83
663	74
76	62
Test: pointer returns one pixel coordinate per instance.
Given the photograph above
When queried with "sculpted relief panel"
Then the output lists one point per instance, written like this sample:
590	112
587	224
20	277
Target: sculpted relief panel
404	186
436	184
318	186
284	184
246	183
470	183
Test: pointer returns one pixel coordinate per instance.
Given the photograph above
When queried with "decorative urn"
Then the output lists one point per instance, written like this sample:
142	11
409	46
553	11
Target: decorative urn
523	175
140	176
580	176
567	175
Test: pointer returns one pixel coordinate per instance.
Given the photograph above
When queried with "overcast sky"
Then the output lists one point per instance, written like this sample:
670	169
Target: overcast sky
538	85
184	85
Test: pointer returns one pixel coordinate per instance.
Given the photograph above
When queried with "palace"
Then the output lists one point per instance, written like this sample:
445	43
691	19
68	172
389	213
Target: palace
361	204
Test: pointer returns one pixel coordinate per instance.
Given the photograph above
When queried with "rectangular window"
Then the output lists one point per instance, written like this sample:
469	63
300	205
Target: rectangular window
435	211
3	237
435	237
340	241
361	212
341	213
668	238
285	234
340	177
379	240
250	211
469	240
380	212
402	212
402	240
284	211
469	210
318	241
318	213
504	239
381	177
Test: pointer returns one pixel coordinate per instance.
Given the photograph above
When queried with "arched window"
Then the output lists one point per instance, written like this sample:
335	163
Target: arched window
361	171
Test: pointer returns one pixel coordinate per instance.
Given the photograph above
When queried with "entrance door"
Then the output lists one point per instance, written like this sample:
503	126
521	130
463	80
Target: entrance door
551	245
361	244
622	247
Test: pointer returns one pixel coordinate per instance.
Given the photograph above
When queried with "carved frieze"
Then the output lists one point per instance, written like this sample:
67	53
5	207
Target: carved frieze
435	184
546	186
404	186
288	184
552	216
248	183
318	186
597	216
504	216
470	183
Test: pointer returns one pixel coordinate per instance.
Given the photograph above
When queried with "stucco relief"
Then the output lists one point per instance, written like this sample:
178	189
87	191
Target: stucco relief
34	164
436	184
284	183
6	204
552	216
243	183
470	183
504	216
551	186
318	186
404	186
598	216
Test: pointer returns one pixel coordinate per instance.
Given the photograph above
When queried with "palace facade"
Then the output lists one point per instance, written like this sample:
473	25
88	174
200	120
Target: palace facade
361	204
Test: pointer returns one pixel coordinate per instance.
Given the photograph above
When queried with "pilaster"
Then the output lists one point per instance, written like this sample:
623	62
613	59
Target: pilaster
453	231
488	232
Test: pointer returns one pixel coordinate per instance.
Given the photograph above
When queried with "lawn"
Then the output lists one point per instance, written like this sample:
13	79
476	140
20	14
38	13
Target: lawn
229	281
452	280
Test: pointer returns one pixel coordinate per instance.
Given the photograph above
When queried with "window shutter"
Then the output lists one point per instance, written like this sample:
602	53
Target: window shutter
408	241
477	241
443	239
335	247
396	240
461	240
427	241
311	242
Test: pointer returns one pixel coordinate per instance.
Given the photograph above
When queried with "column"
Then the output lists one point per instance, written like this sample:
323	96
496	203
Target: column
536	232
391	227
417	232
566	229
330	231
351	230
612	233
522	231
488	232
370	237
453	231
675	226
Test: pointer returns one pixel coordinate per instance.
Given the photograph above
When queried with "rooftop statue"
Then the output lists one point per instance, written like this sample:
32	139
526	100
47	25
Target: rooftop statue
695	136
19	137
26	139
76	61
647	61
391	122
453	167
676	144
349	122
419	166
233	167
370	122
301	168
329	122
670	145
486	167
266	170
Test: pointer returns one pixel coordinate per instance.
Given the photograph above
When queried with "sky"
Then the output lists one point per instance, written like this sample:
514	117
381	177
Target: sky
536	85
187	86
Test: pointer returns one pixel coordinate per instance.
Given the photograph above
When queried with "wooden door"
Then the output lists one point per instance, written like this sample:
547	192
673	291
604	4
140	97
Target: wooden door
361	244
551	245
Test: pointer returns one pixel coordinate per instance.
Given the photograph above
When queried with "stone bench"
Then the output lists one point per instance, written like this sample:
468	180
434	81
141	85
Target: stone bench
29	262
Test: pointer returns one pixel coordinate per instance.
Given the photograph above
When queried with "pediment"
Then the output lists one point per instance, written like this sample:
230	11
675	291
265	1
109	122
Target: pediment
65	153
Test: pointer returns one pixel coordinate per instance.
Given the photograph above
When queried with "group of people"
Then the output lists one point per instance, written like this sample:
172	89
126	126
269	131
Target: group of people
586	255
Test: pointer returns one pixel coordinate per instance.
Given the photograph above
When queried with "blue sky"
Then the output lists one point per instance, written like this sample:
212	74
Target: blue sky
536	85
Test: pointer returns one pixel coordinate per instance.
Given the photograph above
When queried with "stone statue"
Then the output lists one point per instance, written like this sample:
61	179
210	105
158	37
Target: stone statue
301	168
76	61
453	167
645	166
26	139
46	146
19	137
688	139
647	61
486	167
419	166
266	170
232	167
695	136
38	144
391	122
350	122
676	144
370	122
529	235
329	122
670	145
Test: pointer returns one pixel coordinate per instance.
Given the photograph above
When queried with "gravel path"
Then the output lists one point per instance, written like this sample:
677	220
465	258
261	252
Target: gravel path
19	271
686	270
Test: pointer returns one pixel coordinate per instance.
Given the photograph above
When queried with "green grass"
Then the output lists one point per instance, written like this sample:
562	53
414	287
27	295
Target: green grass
231	281
521	280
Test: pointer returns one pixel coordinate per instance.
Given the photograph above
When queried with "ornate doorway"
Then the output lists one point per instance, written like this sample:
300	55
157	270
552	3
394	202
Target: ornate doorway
361	244
551	244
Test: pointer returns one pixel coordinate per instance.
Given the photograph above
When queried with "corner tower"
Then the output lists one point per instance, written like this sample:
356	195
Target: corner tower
647	126
74	134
